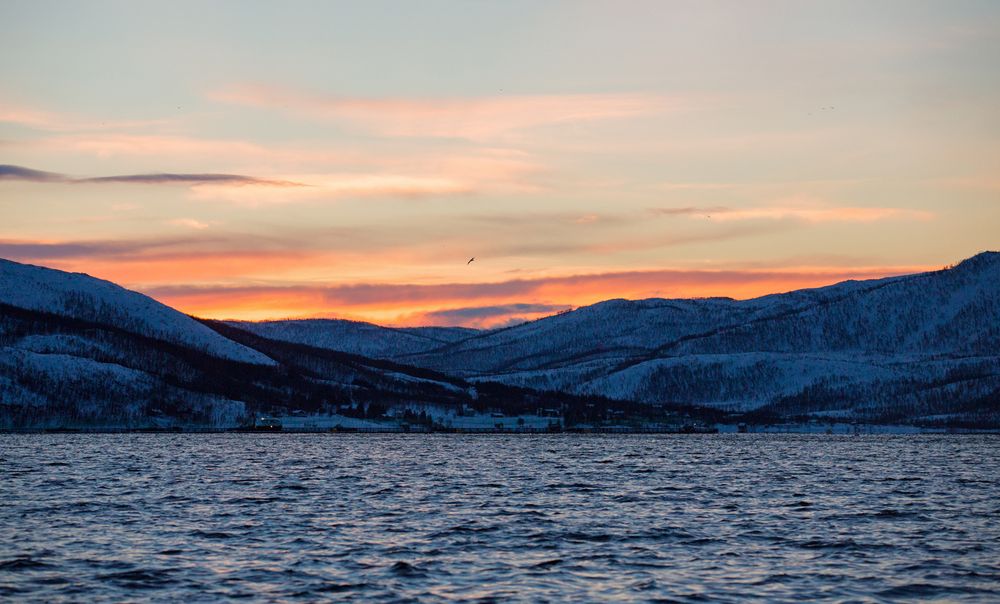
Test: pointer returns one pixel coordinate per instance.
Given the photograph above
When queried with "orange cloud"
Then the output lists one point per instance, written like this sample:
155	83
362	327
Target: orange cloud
412	304
191	267
212	256
192	257
470	118
483	317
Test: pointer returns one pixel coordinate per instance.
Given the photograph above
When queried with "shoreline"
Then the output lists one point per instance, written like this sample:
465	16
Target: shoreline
865	430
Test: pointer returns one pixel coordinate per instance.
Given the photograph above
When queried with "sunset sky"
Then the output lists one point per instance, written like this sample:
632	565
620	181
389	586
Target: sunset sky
319	159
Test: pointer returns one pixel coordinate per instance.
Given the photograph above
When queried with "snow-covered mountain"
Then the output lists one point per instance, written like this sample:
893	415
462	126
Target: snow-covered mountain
84	353
855	346
357	337
909	345
84	297
915	347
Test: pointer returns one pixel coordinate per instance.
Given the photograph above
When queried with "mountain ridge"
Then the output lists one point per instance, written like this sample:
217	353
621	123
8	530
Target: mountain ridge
919	347
858	337
82	352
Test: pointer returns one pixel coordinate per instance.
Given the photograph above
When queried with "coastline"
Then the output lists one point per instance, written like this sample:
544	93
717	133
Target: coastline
719	429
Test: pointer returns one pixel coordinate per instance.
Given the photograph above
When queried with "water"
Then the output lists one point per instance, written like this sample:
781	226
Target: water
156	517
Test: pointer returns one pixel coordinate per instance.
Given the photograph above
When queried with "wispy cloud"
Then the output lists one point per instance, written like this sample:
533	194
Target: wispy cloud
697	186
336	186
376	250
832	214
26	116
395	173
189	179
804	212
351	242
465	117
10	172
23	250
484	316
230	275
190	223
195	257
481	162
755	185
107	145
201	253
987	183
39	119
253	190
407	303
689	211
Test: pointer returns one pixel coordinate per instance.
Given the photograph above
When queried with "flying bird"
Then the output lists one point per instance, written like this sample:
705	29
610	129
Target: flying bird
470	261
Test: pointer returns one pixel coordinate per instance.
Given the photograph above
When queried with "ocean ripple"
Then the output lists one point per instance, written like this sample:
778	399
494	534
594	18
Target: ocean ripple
436	518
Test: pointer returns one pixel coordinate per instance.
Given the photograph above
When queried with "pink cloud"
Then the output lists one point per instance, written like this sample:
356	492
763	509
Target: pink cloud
39	119
805	211
111	145
190	223
982	183
317	187
819	214
361	173
27	116
469	117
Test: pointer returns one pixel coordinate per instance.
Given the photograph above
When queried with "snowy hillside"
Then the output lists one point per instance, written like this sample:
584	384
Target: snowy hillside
357	337
922	347
616	331
80	353
918	343
863	340
84	297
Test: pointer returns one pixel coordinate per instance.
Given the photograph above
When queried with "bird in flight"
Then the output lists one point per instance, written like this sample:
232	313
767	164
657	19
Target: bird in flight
470	261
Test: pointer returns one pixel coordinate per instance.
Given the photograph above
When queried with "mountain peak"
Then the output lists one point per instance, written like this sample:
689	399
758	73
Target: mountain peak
980	261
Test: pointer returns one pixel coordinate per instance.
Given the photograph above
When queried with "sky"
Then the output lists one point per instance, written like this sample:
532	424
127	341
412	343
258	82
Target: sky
264	160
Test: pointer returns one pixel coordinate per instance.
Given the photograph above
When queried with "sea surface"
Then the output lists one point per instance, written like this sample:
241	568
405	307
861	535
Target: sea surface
383	517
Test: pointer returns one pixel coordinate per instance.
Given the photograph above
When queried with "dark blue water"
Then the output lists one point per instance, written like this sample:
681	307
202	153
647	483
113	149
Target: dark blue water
195	518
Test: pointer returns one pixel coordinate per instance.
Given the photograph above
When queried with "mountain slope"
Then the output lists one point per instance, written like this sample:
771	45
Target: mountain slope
84	297
356	337
954	311
79	352
876	345
920	347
